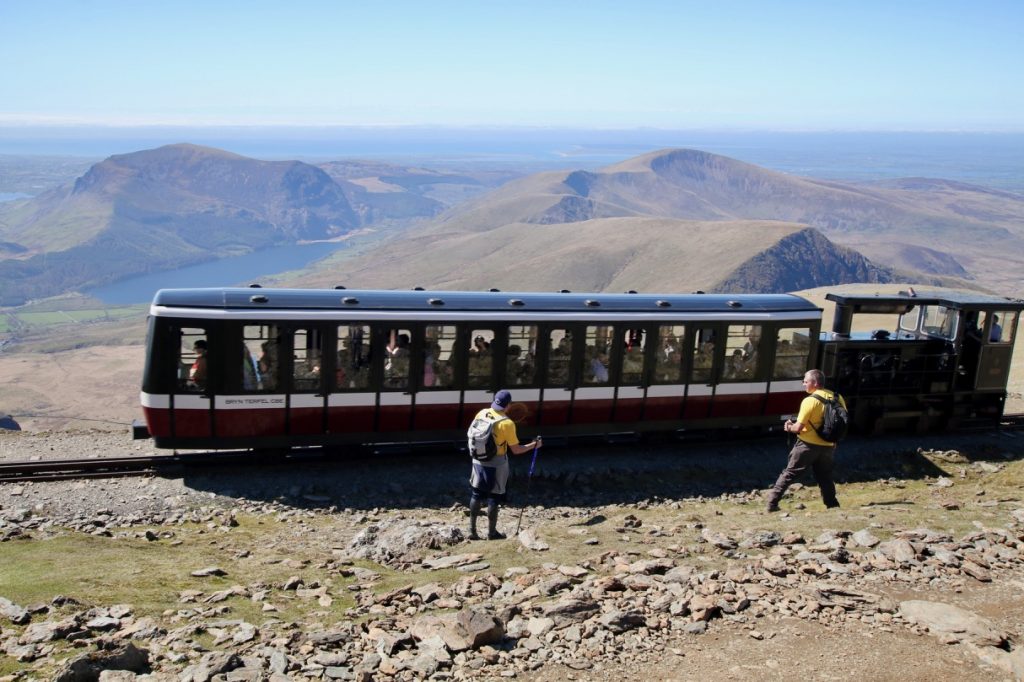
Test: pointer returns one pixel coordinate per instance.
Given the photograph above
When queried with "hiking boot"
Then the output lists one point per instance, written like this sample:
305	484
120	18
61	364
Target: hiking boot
495	535
833	505
772	507
473	535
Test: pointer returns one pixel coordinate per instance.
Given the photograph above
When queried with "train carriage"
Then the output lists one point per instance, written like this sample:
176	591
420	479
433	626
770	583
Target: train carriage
254	368
278	367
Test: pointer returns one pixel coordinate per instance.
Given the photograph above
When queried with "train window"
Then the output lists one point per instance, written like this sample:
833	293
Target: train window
307	359
742	356
792	349
909	320
396	362
704	342
481	360
352	372
668	363
439	356
938	320
192	367
255	367
520	365
1003	327
596	354
559	356
633	341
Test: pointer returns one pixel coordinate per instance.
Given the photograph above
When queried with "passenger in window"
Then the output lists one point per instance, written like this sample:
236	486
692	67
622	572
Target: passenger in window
598	365
396	369
516	367
736	367
480	346
996	335
250	371
430	358
197	373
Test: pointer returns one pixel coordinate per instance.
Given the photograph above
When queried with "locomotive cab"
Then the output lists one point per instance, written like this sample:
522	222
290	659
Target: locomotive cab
940	360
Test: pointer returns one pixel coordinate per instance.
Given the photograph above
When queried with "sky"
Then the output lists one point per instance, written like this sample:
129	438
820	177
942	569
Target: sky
932	65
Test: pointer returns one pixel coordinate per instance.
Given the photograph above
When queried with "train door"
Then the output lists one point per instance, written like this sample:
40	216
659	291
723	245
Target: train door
438	398
742	389
396	354
352	400
594	396
703	351
555	356
252	404
632	344
520	372
667	388
307	406
793	351
998	332
192	408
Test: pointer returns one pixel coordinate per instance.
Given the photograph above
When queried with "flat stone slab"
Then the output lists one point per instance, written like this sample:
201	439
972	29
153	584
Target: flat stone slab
952	623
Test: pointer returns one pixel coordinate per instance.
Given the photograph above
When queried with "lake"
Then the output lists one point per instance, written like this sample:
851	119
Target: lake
235	271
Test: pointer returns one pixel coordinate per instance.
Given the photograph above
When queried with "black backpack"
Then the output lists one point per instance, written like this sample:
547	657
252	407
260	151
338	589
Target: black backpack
836	422
480	438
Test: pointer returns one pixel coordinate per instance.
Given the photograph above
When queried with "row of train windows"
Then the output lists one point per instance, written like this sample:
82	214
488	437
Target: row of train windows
268	358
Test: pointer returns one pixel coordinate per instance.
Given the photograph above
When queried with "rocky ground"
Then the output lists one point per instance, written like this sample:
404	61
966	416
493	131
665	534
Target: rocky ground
638	560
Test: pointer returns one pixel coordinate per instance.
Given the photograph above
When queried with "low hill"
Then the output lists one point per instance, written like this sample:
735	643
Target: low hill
607	254
181	204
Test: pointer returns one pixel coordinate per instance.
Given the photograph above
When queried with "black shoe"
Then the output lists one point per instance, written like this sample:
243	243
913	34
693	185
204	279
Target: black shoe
834	505
495	535
772	508
473	535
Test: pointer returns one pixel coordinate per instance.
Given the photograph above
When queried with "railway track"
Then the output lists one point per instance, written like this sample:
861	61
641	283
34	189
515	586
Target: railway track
115	467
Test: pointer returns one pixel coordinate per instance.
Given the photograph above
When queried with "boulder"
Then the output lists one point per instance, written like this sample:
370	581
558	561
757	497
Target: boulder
952	623
88	668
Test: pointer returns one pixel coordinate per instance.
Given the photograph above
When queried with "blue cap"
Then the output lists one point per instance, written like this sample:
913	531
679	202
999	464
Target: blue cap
501	400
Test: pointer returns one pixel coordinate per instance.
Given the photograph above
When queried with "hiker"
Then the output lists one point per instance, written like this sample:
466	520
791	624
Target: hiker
810	450
487	479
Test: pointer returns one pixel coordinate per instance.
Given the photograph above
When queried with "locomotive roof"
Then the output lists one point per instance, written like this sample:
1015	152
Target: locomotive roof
962	300
467	301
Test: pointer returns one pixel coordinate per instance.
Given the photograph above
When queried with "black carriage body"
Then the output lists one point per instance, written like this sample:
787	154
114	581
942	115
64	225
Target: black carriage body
309	367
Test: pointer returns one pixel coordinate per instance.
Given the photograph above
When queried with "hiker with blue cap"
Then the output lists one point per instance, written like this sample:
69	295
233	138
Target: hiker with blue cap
491	437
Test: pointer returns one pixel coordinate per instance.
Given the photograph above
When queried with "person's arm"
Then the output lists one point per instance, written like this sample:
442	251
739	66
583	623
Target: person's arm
524	448
793	427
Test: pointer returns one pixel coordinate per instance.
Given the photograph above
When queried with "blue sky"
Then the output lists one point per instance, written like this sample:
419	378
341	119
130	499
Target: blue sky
822	65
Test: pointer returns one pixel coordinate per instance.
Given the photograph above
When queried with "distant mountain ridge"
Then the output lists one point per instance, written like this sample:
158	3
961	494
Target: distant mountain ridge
163	208
688	219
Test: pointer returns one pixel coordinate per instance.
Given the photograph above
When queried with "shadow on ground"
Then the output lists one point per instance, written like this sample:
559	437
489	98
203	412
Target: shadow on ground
594	474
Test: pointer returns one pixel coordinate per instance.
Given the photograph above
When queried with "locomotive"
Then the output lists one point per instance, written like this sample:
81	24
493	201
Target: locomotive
239	368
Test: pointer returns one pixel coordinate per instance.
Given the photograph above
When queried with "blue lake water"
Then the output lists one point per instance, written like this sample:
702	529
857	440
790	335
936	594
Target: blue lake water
235	271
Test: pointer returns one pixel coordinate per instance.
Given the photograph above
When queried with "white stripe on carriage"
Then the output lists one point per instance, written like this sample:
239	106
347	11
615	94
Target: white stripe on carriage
392	398
742	389
666	391
700	390
307	400
252	402
595	393
352	400
191	401
438	397
155	401
787	386
630	393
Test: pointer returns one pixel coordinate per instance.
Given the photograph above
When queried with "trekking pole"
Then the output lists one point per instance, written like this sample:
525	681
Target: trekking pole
529	476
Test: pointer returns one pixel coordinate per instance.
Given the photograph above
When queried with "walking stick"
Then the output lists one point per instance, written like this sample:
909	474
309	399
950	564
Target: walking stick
529	476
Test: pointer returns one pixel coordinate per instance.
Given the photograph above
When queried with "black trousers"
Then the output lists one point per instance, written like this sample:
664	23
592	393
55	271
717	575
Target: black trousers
819	459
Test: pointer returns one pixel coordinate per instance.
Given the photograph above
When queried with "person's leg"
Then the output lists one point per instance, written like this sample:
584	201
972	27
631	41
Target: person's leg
822	469
799	458
492	521
475	506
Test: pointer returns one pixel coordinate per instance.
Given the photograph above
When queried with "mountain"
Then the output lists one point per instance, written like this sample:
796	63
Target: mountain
939	228
688	219
181	204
